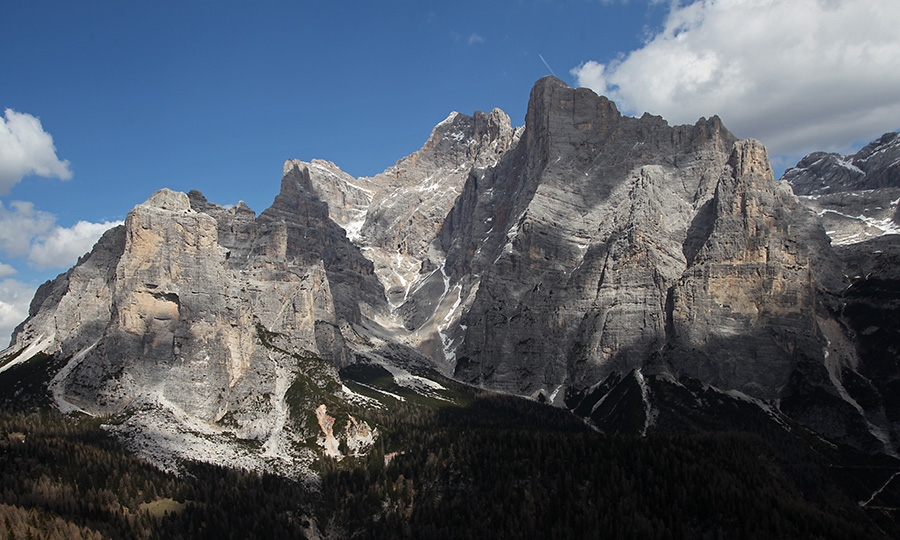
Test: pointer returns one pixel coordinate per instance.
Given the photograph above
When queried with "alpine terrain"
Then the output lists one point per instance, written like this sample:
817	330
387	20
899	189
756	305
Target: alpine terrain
633	281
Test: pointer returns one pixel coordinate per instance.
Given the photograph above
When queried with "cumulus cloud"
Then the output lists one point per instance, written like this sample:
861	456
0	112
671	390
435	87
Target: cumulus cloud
15	297
799	75
20	224
25	148
61	247
474	39
35	236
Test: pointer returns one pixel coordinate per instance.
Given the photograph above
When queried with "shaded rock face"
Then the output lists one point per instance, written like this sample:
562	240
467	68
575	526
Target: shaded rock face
395	218
855	196
750	289
578	235
869	311
585	247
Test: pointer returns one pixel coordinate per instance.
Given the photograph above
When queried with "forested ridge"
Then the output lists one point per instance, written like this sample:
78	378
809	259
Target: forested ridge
497	467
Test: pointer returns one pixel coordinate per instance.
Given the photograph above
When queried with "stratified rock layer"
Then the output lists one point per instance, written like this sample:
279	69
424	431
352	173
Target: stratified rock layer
201	319
579	235
578	257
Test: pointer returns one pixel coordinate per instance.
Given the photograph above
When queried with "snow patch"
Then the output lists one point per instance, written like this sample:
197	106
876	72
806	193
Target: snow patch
39	345
876	431
555	393
353	228
848	164
413	382
649	413
879	490
448	120
358	399
380	391
882	226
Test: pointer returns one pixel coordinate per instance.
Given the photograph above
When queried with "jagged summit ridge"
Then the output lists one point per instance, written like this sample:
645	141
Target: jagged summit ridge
585	195
541	261
875	166
855	196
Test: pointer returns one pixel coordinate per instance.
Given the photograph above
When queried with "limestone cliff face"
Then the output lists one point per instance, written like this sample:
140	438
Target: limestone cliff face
408	210
751	288
585	251
578	235
201	335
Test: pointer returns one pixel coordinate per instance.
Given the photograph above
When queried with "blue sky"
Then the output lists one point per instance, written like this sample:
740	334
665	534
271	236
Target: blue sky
216	95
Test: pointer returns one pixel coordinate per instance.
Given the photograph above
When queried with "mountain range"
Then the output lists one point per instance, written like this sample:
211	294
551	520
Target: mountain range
648	278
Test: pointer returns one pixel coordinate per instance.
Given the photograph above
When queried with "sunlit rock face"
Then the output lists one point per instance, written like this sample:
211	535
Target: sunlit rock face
203	335
541	261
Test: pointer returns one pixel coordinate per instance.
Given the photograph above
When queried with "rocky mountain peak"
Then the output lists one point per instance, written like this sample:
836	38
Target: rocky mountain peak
856	196
166	199
875	166
540	261
750	158
468	137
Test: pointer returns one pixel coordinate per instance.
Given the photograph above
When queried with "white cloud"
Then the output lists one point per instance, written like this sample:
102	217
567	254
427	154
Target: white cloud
6	270
32	234
799	75
25	148
20	224
474	38
15	297
61	247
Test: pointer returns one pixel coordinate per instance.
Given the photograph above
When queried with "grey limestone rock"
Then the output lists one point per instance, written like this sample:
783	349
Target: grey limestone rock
202	336
875	166
584	225
750	290
586	247
854	196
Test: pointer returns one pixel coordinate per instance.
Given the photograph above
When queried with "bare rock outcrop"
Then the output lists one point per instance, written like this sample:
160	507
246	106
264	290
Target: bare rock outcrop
203	338
854	196
582	255
751	288
577	236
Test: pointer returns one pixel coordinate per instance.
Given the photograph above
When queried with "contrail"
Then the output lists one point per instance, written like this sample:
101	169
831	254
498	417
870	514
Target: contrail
546	64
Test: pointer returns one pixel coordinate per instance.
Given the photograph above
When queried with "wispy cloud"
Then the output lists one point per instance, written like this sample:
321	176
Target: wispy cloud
25	148
471	39
20	224
797	74
34	235
6	270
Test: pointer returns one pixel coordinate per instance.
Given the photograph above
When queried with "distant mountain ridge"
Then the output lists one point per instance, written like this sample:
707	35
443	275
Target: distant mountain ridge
875	166
855	196
585	259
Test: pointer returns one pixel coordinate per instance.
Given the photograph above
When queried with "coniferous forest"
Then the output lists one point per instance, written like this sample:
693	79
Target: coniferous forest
495	467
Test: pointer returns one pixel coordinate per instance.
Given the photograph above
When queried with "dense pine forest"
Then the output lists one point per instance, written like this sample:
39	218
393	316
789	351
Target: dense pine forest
493	467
